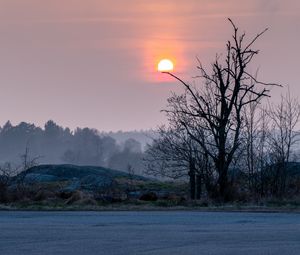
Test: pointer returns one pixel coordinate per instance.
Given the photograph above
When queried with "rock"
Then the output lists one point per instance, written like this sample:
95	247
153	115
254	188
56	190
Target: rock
43	195
149	196
86	201
96	182
77	196
175	198
119	197
72	186
134	194
64	194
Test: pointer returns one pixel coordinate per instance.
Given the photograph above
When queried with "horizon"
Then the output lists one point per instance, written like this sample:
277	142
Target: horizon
42	126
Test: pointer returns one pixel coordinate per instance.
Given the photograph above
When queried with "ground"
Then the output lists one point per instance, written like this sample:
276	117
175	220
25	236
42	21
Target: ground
152	232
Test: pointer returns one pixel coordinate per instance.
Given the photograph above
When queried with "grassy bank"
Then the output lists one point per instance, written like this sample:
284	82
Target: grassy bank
155	206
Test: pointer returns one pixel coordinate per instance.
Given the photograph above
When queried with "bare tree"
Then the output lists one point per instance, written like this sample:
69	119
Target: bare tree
262	150
174	155
131	175
250	133
282	137
212	116
27	162
6	173
169	154
254	144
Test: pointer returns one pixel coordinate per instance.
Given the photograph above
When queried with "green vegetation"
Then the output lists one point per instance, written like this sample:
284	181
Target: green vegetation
68	187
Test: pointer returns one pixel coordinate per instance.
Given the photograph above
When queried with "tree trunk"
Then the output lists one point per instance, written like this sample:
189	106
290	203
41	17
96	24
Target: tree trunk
192	179
199	186
222	169
223	187
223	181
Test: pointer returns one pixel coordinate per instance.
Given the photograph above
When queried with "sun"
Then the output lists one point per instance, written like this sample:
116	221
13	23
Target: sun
165	65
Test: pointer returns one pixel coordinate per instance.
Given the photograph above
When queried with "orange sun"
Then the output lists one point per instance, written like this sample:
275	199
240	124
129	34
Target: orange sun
165	65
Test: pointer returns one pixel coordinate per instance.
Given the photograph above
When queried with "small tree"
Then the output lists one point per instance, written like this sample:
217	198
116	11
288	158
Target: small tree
174	155
6	173
282	137
262	150
27	162
253	145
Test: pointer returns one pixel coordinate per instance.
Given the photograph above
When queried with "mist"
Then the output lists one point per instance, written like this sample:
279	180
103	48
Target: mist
54	144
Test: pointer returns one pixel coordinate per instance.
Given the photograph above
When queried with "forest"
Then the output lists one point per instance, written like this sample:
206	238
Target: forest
54	144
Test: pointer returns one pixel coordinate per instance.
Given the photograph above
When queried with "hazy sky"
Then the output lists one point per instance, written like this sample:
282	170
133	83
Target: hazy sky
92	62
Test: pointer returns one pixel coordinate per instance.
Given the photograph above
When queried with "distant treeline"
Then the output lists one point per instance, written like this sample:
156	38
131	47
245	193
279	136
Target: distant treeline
83	146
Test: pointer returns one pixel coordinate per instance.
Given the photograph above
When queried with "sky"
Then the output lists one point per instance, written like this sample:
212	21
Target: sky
93	62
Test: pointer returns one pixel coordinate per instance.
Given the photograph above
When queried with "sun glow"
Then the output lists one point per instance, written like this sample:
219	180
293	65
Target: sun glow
165	65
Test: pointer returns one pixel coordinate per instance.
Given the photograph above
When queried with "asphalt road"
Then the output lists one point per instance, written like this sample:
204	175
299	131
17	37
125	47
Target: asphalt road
88	233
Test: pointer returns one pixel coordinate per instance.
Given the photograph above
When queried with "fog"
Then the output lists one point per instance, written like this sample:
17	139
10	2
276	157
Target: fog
54	144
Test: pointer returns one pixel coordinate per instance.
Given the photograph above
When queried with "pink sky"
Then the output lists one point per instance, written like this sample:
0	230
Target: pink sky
92	63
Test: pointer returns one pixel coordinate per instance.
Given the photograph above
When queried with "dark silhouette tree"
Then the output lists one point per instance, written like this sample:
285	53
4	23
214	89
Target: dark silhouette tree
174	155
212	114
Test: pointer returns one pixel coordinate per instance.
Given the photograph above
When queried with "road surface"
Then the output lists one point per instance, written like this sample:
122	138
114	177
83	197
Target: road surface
130	233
